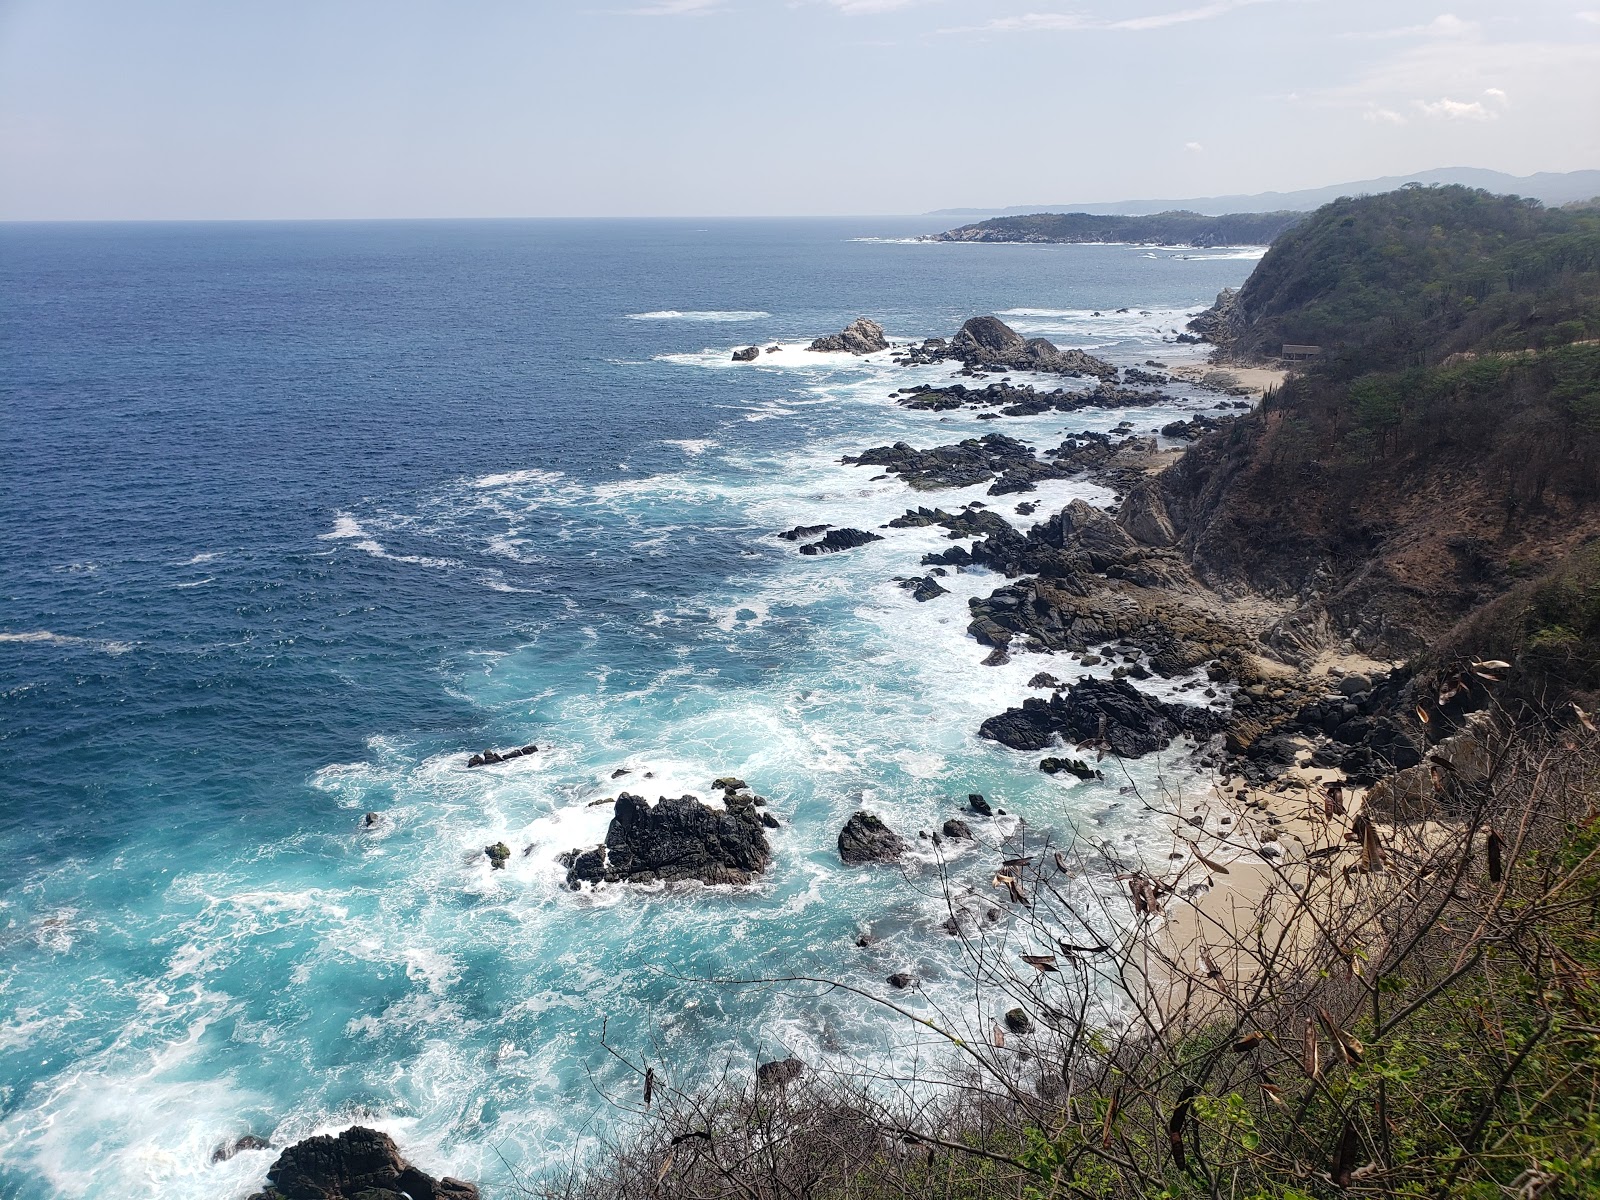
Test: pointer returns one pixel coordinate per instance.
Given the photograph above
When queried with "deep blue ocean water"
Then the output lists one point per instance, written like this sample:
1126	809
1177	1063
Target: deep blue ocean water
295	516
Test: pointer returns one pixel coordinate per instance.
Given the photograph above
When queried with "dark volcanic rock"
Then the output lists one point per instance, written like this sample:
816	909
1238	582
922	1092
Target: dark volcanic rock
800	532
861	336
1072	766
1132	723
359	1164
836	540
748	354
1018	1021
228	1149
498	854
865	838
488	758
957	828
902	980
1195	426
780	1073
676	839
925	589
964	464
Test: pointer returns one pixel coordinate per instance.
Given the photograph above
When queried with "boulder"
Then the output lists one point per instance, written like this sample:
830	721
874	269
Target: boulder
865	838
902	980
1143	516
979	805
957	828
359	1164
780	1073
748	354
674	840
861	336
498	854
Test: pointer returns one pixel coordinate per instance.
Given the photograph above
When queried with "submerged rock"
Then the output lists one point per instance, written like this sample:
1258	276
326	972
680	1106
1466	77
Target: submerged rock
865	838
359	1164
227	1150
673	840
861	336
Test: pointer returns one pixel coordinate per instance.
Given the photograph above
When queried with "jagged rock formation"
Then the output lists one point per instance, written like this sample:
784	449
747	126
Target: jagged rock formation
861	336
359	1164
988	343
836	540
676	839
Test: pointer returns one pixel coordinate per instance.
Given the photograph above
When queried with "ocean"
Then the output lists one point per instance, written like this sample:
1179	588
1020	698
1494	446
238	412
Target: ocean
297	516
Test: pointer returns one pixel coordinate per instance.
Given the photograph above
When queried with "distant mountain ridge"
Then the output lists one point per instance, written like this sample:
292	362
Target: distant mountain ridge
1552	187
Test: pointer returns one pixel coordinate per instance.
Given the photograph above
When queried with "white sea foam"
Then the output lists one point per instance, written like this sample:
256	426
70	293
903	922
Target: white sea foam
715	316
45	637
517	478
694	447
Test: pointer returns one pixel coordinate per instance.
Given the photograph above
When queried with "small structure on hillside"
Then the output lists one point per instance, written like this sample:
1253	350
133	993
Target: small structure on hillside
1293	353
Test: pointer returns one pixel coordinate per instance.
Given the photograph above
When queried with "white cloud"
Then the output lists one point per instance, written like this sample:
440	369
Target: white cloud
855	8
1195	147
1447	109
1383	116
1445	25
1592	16
676	8
1063	22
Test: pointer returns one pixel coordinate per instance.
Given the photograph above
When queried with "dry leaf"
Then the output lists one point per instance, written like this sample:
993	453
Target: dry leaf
1344	1158
1312	1058
1496	865
1351	1049
649	1085
666	1165
1585	719
1041	962
1176	1122
1111	1116
1248	1042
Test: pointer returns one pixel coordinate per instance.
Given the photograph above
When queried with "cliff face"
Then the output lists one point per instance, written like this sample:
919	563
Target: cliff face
1445	447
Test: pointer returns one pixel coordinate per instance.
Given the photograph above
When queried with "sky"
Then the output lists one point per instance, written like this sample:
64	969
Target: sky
219	109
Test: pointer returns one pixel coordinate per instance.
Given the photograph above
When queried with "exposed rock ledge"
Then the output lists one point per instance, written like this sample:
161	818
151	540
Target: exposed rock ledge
1111	713
359	1164
674	840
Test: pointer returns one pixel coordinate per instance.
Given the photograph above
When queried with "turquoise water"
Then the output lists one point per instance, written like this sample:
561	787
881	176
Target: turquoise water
297	516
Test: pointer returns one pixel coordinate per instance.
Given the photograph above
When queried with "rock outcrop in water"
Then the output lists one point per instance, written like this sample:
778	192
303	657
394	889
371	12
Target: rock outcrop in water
861	336
1111	713
1011	464
865	838
489	758
675	840
988	343
359	1164
836	540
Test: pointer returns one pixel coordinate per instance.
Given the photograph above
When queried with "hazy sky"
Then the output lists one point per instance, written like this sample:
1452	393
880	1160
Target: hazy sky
351	108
